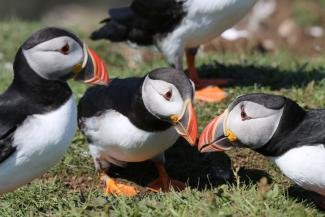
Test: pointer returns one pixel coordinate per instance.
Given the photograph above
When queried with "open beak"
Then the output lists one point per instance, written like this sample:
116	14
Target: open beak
214	138
92	70
186	124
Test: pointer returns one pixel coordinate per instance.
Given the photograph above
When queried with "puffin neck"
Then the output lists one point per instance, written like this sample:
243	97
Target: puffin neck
39	90
141	117
292	117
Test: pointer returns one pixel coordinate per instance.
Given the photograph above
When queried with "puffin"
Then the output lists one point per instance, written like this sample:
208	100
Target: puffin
176	27
136	119
278	128
38	112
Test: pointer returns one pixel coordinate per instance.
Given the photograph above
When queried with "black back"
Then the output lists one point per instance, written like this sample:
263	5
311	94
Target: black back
123	96
27	95
141	21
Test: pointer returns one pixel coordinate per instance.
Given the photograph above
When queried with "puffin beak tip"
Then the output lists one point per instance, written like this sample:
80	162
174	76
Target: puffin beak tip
93	69
212	138
186	126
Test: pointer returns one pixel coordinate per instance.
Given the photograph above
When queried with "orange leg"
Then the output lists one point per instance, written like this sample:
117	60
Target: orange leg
207	89
113	187
192	71
164	182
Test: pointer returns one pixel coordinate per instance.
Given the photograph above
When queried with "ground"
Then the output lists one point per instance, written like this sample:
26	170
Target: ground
71	188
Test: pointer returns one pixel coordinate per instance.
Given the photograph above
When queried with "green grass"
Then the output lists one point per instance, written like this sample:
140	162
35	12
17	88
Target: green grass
308	13
71	188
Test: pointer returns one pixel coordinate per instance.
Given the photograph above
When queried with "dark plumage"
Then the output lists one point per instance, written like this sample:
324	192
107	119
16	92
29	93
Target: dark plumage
124	96
176	27
99	99
141	21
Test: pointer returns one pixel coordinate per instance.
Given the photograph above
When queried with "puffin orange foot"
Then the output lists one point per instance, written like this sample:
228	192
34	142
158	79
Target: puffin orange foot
210	94
116	188
158	185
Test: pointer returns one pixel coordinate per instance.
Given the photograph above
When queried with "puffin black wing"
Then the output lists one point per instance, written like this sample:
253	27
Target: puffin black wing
123	96
141	21
118	95
163	10
11	116
15	107
6	148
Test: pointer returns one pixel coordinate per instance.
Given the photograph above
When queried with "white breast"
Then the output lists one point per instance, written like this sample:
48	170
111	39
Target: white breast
114	136
205	20
41	142
305	166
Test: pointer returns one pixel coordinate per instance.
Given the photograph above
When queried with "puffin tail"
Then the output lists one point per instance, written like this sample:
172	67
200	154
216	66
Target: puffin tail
116	28
124	25
112	31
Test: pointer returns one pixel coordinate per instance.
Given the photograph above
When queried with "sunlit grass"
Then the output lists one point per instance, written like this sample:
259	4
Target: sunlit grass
71	188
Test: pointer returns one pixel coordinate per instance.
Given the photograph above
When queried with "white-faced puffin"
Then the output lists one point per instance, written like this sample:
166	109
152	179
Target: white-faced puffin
175	27
137	119
277	127
38	112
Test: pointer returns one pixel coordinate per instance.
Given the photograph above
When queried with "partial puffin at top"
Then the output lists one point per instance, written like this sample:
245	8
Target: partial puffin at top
176	27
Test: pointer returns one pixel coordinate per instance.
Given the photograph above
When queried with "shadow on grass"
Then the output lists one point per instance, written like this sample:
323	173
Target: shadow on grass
274	77
302	195
184	163
252	176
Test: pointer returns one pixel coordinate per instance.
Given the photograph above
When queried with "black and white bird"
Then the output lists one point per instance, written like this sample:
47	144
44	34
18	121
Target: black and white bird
137	119
38	112
175	27
277	127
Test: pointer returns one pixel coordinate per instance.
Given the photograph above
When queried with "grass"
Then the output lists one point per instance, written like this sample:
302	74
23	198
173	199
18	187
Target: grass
71	188
308	13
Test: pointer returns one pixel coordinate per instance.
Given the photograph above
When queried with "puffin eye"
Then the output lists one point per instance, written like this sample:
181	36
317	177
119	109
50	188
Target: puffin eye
243	114
168	95
65	49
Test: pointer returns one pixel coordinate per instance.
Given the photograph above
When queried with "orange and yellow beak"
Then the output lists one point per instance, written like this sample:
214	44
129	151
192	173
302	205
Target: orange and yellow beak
186	124
215	137
92	70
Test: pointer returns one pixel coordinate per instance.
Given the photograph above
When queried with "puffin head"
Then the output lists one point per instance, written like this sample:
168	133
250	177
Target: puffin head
167	94
56	54
252	121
